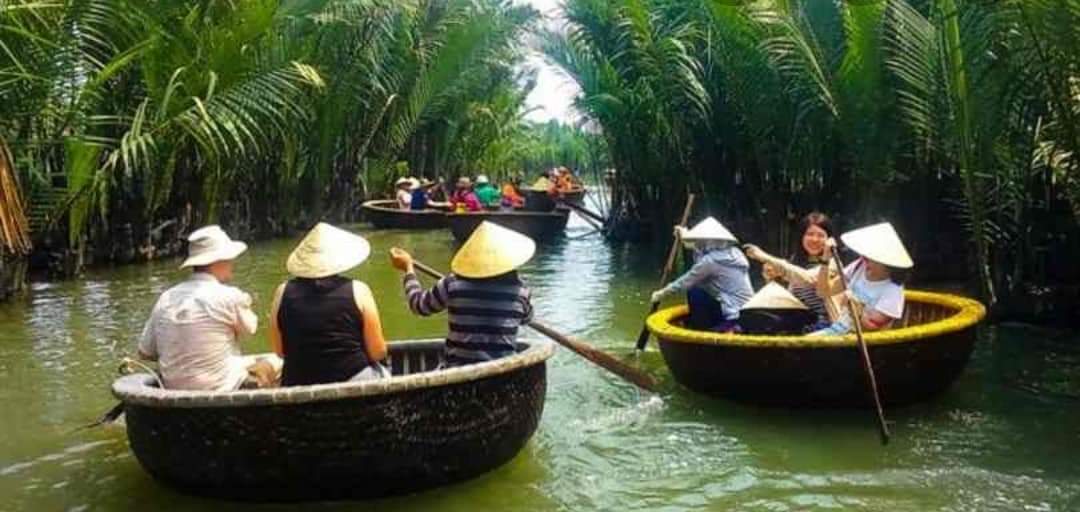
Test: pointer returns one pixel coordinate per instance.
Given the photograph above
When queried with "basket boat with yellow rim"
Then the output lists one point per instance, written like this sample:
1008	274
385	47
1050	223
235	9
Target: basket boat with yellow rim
919	358
425	426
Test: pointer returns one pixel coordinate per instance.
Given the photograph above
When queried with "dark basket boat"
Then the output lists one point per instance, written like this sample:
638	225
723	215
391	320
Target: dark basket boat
539	226
422	428
540	201
918	359
385	214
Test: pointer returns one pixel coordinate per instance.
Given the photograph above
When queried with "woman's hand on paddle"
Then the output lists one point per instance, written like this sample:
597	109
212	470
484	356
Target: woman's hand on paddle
401	259
755	253
830	246
656	296
679	231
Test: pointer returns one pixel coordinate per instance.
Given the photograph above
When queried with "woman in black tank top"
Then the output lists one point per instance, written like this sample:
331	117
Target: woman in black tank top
325	326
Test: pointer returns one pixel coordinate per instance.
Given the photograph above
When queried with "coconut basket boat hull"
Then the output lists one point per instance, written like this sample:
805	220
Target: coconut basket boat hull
912	363
384	214
306	443
537	201
539	226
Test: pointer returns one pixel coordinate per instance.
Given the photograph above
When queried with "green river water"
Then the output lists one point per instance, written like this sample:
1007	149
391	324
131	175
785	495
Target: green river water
1005	437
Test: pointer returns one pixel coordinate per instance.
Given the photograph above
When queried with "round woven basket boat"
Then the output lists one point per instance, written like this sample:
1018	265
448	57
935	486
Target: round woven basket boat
539	226
385	214
422	428
916	360
540	201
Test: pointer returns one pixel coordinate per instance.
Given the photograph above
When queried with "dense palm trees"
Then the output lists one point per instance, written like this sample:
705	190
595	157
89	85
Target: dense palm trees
916	110
129	119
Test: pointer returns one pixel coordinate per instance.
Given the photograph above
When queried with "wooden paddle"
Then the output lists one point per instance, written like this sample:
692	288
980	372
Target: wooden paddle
643	337
868	367
597	357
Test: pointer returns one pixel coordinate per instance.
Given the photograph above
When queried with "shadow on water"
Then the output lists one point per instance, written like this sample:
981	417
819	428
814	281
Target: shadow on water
1004	438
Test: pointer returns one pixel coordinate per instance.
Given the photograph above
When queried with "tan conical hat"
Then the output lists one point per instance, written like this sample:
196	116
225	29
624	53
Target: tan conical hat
879	243
774	296
492	250
327	251
709	229
541	185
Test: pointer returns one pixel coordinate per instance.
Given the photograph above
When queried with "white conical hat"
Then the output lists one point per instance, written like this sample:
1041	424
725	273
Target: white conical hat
327	251
879	243
774	296
492	250
709	229
210	244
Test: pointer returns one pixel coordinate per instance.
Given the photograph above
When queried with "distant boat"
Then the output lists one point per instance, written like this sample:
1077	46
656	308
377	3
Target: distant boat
385	214
542	201
540	226
423	427
914	361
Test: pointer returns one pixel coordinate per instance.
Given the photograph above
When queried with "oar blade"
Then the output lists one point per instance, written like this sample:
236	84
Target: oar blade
643	336
601	358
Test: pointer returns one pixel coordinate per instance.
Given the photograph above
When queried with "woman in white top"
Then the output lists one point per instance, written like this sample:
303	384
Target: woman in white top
404	196
875	280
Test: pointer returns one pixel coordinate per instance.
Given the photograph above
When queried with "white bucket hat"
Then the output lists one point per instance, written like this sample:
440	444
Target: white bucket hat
774	296
482	179
402	181
327	251
709	229
879	243
210	244
492	250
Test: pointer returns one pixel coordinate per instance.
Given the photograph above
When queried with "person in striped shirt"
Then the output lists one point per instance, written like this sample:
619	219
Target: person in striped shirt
800	271
485	300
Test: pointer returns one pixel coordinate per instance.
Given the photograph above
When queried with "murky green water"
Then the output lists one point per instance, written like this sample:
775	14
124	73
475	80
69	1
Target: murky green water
1006	437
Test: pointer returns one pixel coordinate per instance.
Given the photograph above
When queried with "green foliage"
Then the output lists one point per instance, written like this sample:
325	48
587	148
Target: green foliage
778	106
282	110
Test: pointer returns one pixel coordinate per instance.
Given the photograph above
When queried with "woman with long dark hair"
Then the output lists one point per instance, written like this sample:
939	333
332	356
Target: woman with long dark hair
800	271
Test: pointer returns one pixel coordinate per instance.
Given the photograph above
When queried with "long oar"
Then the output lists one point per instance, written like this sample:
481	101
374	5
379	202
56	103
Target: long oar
643	337
871	381
602	359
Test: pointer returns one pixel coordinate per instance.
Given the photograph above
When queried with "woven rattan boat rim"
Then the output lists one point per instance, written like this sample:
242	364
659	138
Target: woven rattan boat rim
556	214
389	206
139	389
968	313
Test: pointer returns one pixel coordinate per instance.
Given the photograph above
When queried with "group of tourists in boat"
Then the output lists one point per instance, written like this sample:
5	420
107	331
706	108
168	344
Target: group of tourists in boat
333	368
805	294
480	194
325	327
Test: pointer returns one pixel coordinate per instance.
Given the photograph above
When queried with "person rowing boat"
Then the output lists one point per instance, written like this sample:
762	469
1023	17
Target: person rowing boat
718	284
484	297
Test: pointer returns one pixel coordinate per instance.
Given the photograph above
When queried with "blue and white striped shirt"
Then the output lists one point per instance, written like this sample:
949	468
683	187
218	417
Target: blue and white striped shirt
484	314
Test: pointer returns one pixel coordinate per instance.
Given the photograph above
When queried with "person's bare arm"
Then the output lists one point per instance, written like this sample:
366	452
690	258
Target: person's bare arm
275	329
374	342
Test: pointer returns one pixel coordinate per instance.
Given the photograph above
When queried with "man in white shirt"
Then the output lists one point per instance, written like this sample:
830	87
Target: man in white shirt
194	328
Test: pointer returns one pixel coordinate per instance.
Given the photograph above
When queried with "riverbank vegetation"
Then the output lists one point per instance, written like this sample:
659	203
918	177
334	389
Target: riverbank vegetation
957	120
130	121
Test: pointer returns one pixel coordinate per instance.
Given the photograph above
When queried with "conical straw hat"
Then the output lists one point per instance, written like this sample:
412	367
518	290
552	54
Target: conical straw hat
709	229
327	251
774	296
492	250
541	185
879	243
